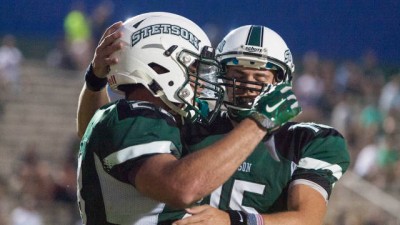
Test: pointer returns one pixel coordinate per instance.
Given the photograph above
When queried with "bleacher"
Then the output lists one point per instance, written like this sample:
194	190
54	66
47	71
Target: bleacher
43	113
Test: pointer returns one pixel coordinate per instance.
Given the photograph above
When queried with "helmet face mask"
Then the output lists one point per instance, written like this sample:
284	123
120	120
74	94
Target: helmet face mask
202	75
235	89
243	85
253	47
163	52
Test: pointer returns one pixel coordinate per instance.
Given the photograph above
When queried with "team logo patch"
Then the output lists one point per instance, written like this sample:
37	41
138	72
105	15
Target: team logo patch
155	29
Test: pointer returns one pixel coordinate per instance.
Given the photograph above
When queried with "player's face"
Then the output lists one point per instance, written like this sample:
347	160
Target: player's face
246	83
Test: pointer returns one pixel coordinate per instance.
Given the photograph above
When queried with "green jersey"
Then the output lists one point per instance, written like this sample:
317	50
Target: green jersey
298	153
119	135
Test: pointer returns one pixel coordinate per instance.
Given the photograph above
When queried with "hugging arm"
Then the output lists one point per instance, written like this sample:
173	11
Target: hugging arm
305	206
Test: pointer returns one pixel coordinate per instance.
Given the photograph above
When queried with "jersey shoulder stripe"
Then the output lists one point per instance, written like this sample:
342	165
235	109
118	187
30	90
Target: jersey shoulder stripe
292	139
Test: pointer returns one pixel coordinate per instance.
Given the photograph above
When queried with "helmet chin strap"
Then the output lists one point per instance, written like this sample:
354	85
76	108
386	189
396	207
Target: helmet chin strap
185	112
171	105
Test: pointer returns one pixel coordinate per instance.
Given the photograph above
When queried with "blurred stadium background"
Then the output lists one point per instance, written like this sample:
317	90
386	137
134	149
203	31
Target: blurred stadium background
347	56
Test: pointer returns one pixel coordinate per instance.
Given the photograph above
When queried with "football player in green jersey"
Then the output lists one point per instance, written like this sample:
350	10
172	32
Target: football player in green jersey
289	177
130	164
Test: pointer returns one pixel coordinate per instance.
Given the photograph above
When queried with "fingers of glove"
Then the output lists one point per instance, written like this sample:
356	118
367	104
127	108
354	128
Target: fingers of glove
279	106
283	88
274	93
271	88
286	111
268	88
283	118
282	93
287	115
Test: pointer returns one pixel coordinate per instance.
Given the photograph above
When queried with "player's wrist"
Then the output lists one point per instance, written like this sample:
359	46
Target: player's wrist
237	217
93	82
254	219
262	121
241	218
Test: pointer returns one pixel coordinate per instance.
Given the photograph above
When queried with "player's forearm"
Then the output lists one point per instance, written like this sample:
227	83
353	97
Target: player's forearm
284	218
306	206
89	101
291	218
182	182
217	162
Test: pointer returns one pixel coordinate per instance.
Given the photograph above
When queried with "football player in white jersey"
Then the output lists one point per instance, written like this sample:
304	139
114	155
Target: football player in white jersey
131	163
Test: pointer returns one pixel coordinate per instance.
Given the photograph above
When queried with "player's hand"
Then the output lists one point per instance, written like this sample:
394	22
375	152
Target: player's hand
205	215
102	59
276	106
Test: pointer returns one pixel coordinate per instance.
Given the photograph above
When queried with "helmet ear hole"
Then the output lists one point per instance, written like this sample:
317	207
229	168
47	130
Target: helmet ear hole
279	75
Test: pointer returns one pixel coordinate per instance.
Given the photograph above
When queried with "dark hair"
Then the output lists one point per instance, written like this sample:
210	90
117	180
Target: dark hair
129	88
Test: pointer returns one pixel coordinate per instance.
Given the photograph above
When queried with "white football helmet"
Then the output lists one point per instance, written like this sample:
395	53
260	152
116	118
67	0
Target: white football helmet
171	57
254	47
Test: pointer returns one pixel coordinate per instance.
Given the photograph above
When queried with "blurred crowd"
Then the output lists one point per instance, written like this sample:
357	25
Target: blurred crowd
40	191
10	70
362	101
361	98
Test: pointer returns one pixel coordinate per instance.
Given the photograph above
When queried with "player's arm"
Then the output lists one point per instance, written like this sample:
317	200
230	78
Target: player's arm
89	101
306	207
93	94
182	182
148	156
185	181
